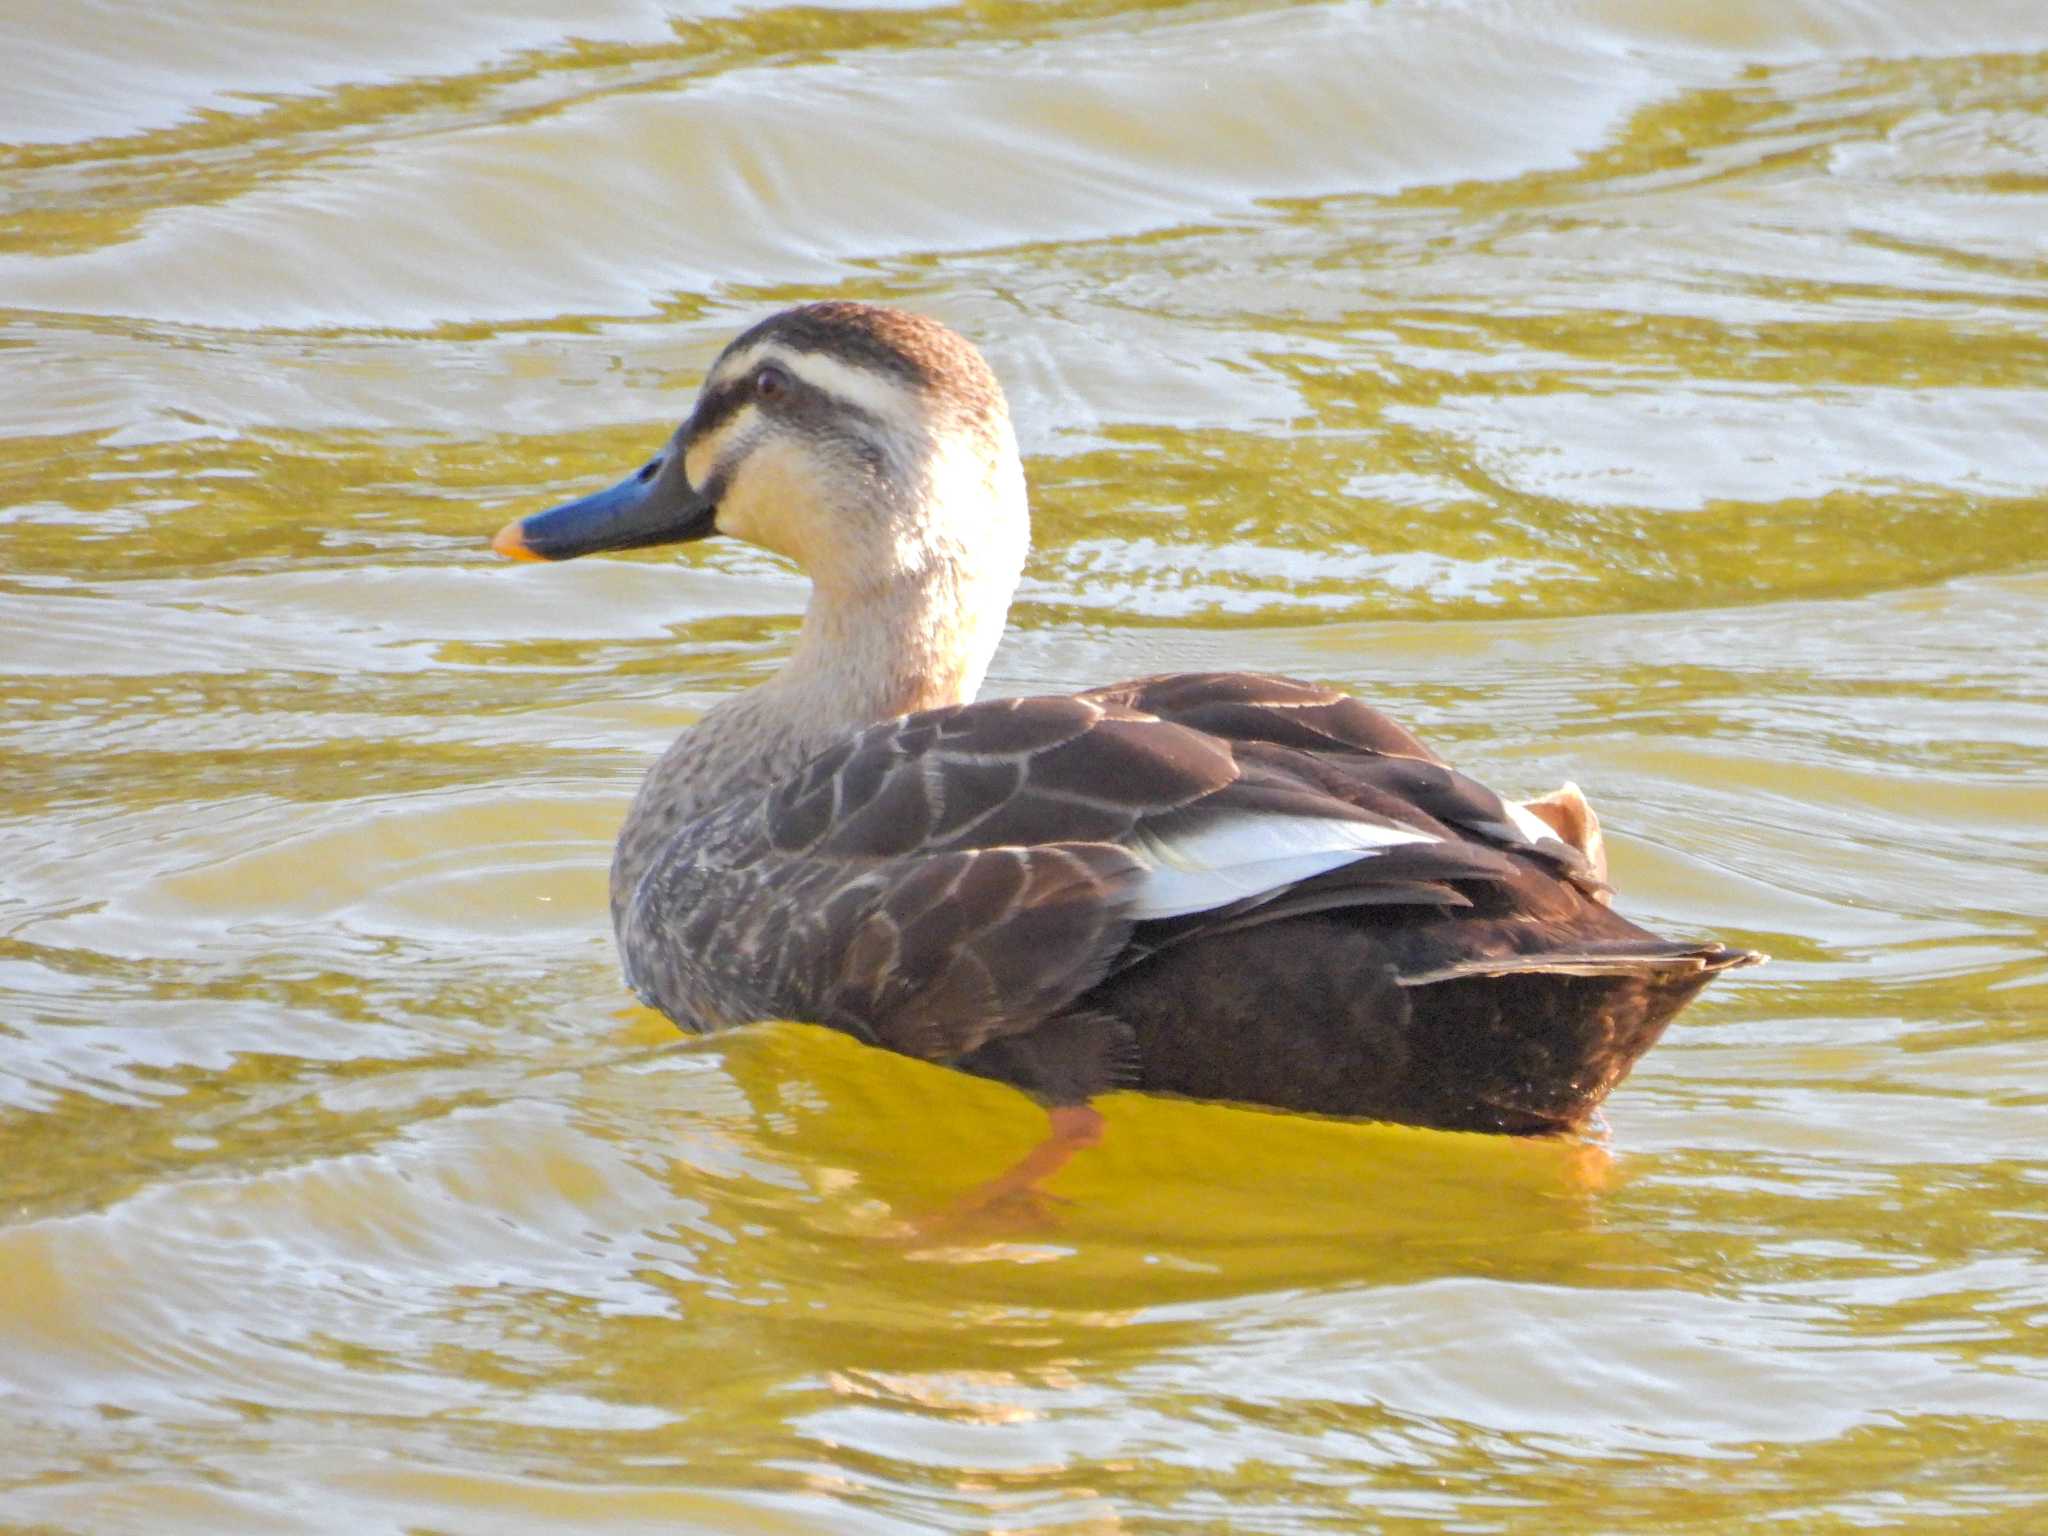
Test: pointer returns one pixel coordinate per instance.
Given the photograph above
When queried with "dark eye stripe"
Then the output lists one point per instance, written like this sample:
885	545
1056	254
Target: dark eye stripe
716	407
801	401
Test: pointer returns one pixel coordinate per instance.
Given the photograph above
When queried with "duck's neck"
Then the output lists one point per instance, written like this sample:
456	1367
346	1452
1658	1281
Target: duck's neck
917	636
918	643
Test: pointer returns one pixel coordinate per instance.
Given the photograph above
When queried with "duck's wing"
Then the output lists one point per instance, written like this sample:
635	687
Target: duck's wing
960	875
1354	753
1255	706
930	884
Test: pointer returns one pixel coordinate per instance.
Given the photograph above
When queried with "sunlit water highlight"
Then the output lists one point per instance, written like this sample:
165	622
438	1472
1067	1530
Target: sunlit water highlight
1649	394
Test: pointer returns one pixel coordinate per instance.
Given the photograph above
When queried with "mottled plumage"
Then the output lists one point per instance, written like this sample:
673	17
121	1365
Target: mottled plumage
1220	884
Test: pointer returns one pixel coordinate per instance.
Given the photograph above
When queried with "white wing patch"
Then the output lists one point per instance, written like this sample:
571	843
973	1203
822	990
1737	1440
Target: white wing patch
1247	856
1529	824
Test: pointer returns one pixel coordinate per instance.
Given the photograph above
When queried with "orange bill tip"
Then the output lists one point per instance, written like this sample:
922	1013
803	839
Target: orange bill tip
511	543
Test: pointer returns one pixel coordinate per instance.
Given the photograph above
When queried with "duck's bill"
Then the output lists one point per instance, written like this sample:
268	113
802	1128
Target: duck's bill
655	505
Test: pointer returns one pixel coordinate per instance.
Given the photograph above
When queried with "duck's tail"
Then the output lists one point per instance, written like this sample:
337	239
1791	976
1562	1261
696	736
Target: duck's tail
1533	1042
1613	957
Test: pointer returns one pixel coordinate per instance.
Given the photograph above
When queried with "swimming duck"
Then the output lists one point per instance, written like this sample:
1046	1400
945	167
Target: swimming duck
1222	885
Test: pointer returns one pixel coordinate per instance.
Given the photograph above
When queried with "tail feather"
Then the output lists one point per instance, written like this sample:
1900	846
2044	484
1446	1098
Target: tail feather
1620	958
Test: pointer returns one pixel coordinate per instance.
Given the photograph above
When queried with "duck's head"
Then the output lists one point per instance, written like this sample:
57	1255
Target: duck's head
867	444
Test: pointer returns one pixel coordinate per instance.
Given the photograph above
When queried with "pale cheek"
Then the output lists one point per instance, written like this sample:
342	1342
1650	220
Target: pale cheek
706	453
765	503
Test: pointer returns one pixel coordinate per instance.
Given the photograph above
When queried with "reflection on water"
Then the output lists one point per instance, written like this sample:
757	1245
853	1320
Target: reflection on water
1648	395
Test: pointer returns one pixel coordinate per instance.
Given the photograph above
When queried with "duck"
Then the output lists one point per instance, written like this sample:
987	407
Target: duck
1218	885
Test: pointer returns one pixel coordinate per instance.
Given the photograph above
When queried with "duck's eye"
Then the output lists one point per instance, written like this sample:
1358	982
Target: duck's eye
771	383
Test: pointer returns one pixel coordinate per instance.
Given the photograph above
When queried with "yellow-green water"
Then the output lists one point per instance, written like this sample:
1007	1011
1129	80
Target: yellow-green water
1649	393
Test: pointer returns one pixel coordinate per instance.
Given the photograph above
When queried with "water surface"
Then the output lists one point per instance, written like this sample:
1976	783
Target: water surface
1650	394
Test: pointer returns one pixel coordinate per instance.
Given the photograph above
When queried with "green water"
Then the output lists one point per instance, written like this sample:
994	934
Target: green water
1647	394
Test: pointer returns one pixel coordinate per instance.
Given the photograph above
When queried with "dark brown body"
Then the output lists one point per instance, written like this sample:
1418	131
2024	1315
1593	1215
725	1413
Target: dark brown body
1307	1016
968	885
1310	1014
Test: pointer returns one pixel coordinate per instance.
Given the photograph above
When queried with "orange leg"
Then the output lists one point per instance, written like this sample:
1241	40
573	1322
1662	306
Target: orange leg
1074	1128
